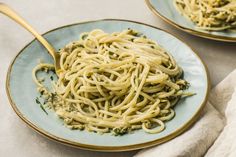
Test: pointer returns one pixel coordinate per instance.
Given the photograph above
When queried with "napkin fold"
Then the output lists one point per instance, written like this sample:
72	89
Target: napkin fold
213	134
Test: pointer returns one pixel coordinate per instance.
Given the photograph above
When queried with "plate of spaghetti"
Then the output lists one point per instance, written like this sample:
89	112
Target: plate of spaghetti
123	85
212	19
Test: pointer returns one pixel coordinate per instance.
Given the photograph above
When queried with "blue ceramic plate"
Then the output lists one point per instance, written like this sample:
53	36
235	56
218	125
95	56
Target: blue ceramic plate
167	11
22	90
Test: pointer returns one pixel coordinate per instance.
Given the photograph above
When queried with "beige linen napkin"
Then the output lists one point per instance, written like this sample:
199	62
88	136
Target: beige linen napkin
214	133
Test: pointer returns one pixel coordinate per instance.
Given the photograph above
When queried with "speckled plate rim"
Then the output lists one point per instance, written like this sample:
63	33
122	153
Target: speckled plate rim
188	30
108	148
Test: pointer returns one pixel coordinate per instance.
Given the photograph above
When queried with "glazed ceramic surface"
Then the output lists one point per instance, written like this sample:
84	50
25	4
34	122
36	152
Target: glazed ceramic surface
22	91
167	11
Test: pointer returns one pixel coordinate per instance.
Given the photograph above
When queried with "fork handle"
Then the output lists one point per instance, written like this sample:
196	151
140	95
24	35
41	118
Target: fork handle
14	16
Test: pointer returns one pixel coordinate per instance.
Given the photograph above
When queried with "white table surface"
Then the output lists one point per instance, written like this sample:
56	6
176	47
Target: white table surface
18	140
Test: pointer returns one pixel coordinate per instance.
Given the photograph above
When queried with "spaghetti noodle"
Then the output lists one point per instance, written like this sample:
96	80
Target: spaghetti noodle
212	15
114	83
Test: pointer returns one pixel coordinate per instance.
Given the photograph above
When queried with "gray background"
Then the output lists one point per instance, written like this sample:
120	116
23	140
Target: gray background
16	139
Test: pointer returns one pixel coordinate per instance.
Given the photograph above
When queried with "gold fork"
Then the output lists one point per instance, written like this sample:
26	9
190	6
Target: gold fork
14	16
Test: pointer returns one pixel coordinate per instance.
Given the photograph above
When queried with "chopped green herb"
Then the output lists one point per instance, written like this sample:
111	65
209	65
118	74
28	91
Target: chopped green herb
111	53
138	34
41	80
81	46
53	97
41	92
109	44
51	77
41	106
119	131
84	36
135	33
37	100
